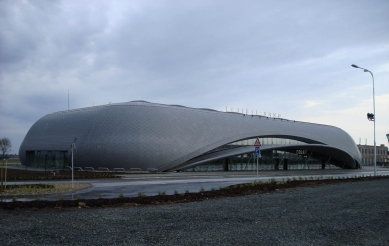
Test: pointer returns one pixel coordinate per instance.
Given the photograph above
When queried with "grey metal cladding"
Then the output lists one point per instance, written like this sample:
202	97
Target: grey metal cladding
145	135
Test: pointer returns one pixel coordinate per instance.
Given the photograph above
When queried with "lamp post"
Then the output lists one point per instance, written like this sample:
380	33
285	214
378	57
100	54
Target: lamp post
372	117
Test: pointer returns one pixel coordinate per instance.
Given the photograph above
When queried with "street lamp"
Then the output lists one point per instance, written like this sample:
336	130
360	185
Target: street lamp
370	116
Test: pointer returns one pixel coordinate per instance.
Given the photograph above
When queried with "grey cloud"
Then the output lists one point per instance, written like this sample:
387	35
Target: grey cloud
197	53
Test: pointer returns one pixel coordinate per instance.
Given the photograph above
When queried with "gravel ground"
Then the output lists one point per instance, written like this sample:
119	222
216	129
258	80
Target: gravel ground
354	213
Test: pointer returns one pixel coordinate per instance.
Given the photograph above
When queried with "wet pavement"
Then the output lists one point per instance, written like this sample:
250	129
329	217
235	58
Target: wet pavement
130	185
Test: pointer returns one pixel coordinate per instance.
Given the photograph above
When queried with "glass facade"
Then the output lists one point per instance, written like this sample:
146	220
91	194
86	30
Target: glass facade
270	159
47	159
268	141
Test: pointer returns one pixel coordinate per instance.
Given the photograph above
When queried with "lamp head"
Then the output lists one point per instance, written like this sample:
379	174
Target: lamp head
353	65
370	116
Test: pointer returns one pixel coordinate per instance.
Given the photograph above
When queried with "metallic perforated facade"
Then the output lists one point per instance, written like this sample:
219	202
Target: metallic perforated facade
146	135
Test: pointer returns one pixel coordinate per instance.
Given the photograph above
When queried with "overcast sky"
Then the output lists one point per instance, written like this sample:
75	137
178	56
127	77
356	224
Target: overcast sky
291	58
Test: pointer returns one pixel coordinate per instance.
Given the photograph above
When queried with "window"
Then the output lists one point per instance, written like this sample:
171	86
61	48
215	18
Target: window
47	159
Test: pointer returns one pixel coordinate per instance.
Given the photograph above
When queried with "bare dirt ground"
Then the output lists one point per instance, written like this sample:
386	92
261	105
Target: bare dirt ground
31	190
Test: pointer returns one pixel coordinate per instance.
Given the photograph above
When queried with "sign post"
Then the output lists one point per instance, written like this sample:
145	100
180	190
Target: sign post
257	152
73	146
1	177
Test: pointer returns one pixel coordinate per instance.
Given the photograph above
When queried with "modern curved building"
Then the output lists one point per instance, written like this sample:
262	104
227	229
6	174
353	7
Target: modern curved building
143	135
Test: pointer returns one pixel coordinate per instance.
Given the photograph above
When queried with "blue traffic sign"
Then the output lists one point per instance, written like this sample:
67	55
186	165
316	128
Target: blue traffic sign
257	151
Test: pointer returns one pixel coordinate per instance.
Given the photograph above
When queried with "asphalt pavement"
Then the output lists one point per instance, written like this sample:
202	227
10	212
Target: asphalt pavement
130	185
